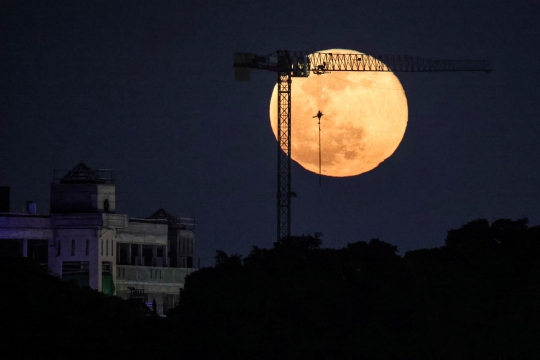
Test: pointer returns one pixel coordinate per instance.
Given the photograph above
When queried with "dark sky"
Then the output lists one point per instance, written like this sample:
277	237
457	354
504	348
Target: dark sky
147	88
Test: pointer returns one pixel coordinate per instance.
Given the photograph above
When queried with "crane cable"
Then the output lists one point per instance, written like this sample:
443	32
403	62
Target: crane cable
319	106
319	115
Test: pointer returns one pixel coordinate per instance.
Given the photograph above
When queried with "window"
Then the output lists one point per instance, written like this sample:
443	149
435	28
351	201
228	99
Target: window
78	270
106	205
87	247
135	255
58	248
101	247
122	254
73	247
107	248
112	247
147	255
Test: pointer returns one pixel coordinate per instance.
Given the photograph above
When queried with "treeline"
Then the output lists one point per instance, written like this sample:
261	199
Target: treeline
476	297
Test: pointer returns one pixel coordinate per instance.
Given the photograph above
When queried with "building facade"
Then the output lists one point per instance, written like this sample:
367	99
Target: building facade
84	239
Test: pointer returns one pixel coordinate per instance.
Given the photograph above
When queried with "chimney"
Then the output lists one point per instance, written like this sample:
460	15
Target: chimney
4	199
31	207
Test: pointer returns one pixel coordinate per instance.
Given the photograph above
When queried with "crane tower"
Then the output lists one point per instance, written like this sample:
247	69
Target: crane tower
289	64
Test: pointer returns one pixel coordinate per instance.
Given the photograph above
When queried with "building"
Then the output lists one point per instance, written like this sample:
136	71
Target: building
83	238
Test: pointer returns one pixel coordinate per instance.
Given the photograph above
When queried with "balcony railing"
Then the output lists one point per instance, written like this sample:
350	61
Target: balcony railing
152	274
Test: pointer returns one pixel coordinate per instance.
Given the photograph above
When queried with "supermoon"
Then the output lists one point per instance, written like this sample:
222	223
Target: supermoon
365	116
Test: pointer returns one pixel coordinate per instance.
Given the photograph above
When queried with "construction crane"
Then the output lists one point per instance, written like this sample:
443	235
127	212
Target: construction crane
289	64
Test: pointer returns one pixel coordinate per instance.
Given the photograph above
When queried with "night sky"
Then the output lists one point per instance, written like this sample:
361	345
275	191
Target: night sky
147	89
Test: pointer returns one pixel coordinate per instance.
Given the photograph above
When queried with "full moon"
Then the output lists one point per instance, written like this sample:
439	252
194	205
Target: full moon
365	116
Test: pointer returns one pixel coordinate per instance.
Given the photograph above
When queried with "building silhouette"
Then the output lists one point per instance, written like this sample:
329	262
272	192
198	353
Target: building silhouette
84	239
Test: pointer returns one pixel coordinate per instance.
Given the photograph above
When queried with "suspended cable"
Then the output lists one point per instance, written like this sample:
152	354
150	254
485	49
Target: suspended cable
319	115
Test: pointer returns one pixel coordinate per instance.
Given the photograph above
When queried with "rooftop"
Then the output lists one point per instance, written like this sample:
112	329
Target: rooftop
82	174
162	216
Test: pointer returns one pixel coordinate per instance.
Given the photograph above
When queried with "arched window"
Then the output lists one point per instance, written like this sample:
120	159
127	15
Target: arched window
106	205
73	247
87	247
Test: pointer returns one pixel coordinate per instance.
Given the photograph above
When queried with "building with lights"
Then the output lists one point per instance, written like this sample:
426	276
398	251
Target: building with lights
84	239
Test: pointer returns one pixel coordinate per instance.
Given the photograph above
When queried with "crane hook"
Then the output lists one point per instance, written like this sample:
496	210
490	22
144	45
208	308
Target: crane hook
319	115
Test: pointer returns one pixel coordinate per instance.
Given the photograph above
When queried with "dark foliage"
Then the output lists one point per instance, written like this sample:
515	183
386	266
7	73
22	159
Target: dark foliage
486	287
477	297
298	300
44	317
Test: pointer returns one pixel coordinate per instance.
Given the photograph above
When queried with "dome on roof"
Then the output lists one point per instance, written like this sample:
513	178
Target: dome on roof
162	214
81	174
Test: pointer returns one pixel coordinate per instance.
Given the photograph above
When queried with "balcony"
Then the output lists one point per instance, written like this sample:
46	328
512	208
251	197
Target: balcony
146	274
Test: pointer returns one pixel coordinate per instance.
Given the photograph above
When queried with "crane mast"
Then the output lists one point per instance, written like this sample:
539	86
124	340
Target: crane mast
284	192
288	64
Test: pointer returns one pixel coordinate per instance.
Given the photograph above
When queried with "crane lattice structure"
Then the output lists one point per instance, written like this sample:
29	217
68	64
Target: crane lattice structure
289	64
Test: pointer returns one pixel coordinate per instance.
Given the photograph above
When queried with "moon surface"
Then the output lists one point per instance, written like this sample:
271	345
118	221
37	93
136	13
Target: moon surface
365	116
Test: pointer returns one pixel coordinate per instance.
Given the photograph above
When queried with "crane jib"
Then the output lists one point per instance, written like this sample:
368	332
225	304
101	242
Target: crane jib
302	64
